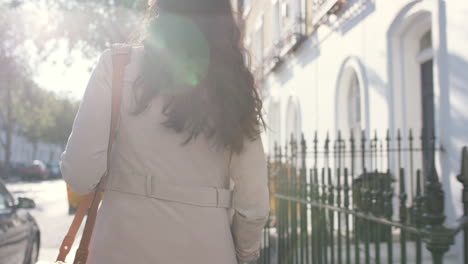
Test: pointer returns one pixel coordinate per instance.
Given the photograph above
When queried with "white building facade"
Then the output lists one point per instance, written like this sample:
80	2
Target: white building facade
366	65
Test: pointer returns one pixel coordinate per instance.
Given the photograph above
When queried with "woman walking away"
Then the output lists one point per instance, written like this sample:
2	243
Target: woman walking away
187	179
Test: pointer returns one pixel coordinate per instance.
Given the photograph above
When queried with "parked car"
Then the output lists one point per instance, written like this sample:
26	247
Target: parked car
19	233
16	168
36	170
54	170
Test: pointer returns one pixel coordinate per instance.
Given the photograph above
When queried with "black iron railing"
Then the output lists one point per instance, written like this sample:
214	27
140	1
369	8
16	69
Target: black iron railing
359	200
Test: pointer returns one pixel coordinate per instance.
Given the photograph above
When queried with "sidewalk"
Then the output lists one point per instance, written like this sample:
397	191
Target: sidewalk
450	258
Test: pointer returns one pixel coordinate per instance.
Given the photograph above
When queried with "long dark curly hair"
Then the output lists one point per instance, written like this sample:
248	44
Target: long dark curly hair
194	56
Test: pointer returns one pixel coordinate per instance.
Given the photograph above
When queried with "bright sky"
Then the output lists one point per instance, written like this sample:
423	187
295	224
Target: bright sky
64	73
65	80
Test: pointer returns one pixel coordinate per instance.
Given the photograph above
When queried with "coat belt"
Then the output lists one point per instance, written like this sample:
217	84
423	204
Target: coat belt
192	195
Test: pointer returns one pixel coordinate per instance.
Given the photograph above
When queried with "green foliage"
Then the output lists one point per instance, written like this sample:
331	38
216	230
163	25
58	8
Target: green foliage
33	114
63	116
42	116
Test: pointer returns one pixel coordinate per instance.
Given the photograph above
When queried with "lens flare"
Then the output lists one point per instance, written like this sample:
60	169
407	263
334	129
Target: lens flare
183	49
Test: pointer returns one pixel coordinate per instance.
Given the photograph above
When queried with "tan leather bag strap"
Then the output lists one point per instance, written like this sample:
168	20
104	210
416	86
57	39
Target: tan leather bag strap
120	58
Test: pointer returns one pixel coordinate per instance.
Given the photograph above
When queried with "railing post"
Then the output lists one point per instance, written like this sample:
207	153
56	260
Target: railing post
295	242
305	189
439	238
388	204
403	215
463	178
417	216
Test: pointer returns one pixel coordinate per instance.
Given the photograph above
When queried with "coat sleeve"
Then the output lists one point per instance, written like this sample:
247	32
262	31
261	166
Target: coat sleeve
84	160
250	199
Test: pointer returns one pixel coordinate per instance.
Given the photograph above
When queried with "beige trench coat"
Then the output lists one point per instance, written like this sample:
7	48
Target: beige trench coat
164	203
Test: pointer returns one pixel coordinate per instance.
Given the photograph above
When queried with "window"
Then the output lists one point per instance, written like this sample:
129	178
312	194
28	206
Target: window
426	41
426	66
274	131
285	14
275	25
258	43
354	104
411	82
297	9
246	7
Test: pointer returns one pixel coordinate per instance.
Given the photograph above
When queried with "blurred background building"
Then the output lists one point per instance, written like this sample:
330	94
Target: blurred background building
23	151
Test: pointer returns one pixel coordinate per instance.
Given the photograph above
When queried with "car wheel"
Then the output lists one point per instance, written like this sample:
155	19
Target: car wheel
34	253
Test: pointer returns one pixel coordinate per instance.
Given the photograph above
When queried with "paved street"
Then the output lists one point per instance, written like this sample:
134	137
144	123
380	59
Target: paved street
51	213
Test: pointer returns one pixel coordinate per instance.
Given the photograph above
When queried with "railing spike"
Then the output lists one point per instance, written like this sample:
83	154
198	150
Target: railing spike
327	145
417	215
275	151
403	215
280	155
303	141
316	178
463	176
303	152
363	149
421	138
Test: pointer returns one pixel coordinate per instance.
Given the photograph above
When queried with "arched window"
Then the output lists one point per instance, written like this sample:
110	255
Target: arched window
425	59
426	41
411	84
351	109
354	103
